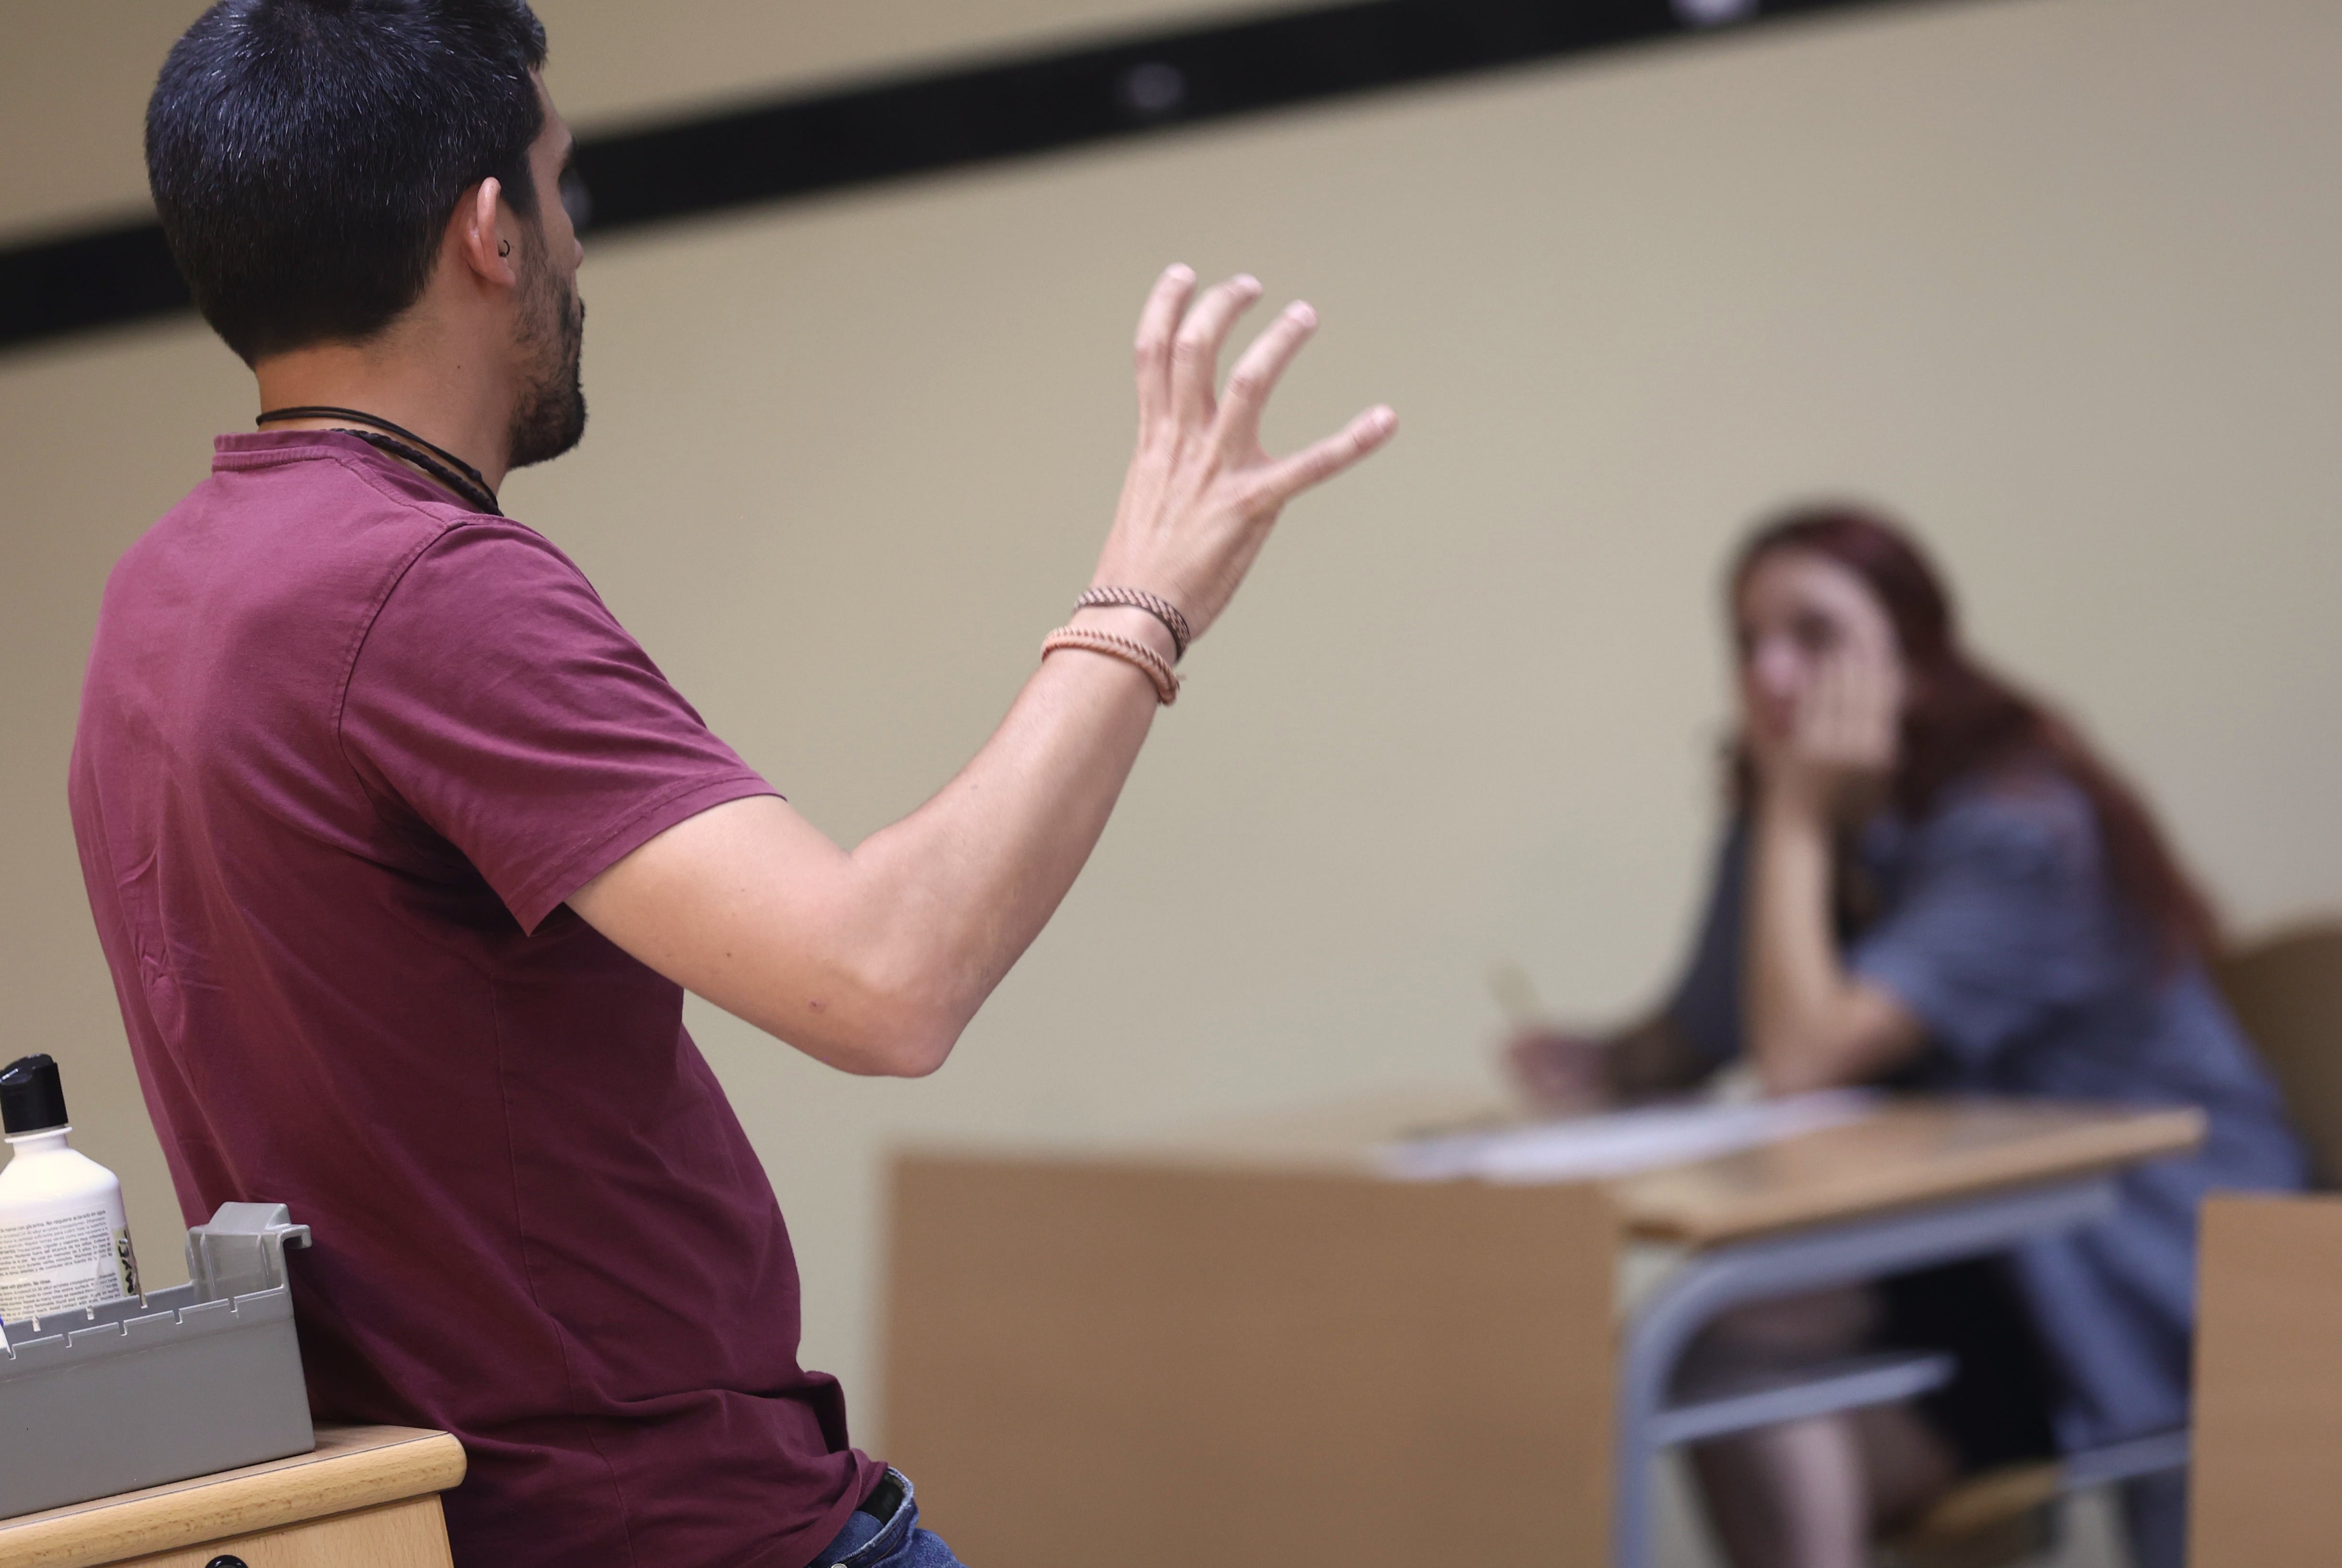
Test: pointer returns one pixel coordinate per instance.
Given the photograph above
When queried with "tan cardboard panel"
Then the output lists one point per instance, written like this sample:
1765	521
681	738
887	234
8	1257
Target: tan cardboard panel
1175	1366
2266	1488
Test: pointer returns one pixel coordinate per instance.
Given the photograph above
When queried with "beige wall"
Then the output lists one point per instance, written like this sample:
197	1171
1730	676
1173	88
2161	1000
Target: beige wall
2056	276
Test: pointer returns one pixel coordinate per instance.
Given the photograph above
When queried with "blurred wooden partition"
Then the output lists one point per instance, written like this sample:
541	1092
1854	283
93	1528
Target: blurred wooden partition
2287	991
1159	1365
2266	1487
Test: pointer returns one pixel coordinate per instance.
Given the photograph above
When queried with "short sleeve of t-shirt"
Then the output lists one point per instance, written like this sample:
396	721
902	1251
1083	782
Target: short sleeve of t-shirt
497	699
1993	926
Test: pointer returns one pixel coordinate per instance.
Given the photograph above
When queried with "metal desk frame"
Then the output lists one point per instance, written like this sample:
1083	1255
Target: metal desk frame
1822	1258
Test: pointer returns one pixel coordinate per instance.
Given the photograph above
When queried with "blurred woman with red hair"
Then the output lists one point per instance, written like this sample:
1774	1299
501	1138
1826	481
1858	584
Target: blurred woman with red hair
1931	880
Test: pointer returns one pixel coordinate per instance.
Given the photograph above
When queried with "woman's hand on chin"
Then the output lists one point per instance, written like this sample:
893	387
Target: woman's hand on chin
1841	748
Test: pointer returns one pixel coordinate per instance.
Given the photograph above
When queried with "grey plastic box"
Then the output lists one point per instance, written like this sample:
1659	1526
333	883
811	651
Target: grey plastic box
182	1381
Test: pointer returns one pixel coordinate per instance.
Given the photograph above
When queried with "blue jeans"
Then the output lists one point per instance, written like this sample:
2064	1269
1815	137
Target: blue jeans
889	1536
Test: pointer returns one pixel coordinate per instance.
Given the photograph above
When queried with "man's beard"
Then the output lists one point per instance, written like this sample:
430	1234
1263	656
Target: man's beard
550	418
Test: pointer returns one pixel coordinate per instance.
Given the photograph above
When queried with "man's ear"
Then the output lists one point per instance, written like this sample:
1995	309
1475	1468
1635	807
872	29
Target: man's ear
477	231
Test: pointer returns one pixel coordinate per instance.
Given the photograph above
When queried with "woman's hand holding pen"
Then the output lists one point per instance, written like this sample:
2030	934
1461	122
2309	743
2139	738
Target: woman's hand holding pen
1560	1071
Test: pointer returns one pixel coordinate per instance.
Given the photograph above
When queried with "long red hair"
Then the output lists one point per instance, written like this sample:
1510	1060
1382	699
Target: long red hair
1960	719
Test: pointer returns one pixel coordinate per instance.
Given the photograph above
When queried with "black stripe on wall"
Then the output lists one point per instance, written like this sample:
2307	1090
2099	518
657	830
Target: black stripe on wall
890	130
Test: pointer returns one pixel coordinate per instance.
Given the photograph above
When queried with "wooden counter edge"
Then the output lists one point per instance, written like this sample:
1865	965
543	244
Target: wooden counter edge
351	1467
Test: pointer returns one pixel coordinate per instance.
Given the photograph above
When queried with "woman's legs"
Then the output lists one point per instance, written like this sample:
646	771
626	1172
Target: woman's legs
1811	1494
1787	1496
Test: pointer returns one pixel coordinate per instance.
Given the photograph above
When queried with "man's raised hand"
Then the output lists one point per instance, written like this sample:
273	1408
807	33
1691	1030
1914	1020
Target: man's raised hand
1202	493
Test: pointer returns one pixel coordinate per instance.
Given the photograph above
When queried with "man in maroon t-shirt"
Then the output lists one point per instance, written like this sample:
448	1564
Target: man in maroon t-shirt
403	853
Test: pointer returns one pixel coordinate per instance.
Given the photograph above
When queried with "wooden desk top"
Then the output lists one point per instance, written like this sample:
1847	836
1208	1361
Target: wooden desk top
1913	1151
351	1467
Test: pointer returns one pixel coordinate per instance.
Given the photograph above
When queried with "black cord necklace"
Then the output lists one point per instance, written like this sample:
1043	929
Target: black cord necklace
442	465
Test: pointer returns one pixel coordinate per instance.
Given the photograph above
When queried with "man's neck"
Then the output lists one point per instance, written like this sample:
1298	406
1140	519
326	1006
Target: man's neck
436	397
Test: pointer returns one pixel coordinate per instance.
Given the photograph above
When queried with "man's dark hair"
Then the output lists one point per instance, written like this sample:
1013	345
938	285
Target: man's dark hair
305	155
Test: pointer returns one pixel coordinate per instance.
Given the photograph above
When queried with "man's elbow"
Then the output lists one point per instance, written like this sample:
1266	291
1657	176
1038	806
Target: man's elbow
878	1013
918	1050
916	1020
885	1037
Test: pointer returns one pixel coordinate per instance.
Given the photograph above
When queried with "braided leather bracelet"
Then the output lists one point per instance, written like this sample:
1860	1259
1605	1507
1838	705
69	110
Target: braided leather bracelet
1155	605
1127	649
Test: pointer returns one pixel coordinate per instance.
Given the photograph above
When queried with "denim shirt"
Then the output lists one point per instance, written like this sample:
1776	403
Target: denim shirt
1996	927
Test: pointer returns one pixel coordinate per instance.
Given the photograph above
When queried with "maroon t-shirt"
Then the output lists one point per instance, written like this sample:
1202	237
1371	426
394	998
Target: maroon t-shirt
344	749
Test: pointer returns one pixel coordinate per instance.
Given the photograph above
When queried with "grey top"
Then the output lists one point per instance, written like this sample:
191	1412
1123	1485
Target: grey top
1996	927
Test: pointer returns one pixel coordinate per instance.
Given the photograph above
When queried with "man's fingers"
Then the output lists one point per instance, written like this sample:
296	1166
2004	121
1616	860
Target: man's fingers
1256	375
1157	322
1195	352
1315	465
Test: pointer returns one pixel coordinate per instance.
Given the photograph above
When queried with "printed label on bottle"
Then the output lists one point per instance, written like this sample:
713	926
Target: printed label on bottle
125	1262
59	1265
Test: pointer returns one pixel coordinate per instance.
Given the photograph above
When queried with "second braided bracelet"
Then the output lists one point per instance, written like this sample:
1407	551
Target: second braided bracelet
1127	649
1155	605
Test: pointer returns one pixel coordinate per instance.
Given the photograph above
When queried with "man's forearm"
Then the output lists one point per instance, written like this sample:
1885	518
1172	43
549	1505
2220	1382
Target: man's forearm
873	961
952	895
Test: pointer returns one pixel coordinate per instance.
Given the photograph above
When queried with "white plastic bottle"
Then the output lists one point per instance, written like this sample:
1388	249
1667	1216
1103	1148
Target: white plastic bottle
65	1243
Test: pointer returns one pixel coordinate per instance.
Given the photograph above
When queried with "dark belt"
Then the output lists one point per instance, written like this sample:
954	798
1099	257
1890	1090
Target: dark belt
885	1499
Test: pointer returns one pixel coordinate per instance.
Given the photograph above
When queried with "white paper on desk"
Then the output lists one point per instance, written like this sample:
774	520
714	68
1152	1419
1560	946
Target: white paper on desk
1621	1143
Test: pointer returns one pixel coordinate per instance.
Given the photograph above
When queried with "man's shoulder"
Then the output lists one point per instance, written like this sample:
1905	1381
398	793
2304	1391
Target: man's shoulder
332	532
299	568
253	524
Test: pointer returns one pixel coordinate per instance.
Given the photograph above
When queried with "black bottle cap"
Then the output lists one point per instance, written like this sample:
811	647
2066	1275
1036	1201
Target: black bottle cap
31	1095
